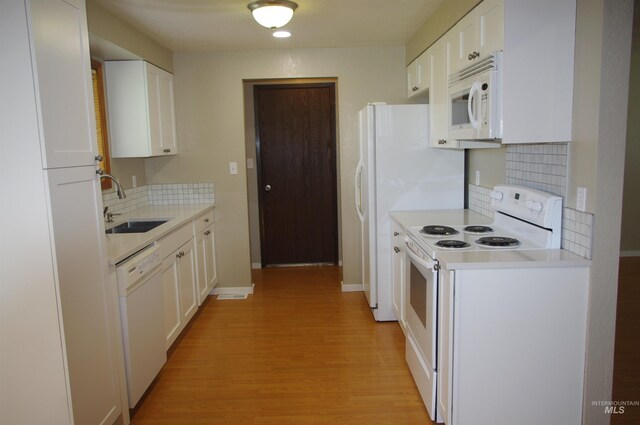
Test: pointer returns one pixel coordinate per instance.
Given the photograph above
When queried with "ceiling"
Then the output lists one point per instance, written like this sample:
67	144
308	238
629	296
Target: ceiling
199	25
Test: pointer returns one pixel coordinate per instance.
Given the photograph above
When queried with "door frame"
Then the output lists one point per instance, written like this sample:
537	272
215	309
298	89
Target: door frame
251	116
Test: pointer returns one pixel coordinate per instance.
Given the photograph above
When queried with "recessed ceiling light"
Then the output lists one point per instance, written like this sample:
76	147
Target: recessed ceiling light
281	34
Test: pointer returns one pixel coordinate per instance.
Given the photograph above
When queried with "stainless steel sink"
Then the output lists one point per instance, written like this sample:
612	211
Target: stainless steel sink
136	226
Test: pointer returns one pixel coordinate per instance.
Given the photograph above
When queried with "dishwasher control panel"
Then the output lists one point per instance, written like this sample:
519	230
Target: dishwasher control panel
137	267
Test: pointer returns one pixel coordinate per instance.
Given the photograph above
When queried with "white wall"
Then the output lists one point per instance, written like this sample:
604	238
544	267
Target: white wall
210	126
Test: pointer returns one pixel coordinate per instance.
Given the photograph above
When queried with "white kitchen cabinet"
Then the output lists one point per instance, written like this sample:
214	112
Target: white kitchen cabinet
141	109
477	35
61	355
538	64
178	280
205	245
418	78
399	273
62	76
510	336
438	95
87	304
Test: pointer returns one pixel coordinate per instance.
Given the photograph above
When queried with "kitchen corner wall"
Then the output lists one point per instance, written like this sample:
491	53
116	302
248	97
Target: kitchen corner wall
211	132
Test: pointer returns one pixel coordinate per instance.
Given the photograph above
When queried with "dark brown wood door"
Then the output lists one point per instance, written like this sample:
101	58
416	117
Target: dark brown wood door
295	128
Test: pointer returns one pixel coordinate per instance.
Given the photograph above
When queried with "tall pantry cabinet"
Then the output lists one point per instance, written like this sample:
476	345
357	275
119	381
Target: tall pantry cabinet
60	348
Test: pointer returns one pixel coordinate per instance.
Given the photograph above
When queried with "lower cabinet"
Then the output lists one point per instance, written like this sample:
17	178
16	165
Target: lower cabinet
207	269
180	297
398	273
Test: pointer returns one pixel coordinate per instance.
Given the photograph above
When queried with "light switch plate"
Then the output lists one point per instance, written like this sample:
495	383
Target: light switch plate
249	163
233	168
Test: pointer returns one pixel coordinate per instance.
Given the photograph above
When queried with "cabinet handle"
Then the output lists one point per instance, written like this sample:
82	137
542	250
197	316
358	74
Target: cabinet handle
442	142
396	249
470	57
395	233
99	158
166	150
414	89
207	233
99	171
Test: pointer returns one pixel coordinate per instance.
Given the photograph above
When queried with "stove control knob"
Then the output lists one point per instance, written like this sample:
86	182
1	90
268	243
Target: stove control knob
496	195
534	205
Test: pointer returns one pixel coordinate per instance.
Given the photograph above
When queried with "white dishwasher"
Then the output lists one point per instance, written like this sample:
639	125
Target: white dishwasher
142	314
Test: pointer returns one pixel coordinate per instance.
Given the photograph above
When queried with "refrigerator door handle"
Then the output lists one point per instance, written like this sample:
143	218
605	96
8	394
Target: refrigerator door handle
358	191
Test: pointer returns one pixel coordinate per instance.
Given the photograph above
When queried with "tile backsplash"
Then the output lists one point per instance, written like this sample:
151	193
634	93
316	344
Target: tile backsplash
540	166
159	194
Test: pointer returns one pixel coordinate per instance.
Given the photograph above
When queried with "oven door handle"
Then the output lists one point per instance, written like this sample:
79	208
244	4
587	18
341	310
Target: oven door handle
418	260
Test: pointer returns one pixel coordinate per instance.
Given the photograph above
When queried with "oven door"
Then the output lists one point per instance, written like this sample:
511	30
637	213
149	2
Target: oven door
421	299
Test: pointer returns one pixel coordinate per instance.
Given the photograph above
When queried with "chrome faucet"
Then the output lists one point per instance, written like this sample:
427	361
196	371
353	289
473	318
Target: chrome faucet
119	189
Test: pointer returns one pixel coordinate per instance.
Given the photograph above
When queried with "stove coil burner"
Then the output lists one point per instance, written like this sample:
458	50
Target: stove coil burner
478	230
498	241
452	244
437	230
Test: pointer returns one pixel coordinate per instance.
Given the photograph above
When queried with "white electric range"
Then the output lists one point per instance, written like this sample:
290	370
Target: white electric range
489	306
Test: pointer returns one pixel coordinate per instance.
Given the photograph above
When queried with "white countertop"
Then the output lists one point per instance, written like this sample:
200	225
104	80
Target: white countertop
122	245
459	260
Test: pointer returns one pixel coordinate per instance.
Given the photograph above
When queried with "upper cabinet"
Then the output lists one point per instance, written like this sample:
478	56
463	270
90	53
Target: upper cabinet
477	35
535	95
141	109
418	76
62	77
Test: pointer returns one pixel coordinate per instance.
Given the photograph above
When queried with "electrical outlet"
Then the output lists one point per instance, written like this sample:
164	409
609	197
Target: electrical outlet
233	168
249	163
581	199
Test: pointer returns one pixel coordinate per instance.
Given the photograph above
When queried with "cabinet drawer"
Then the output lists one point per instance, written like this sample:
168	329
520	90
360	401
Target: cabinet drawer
202	221
175	240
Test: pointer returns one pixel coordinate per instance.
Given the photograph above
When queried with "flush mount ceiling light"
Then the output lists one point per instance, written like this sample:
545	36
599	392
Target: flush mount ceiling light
272	13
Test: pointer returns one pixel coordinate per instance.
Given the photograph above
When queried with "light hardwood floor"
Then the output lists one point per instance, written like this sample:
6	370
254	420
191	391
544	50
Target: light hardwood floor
298	351
626	371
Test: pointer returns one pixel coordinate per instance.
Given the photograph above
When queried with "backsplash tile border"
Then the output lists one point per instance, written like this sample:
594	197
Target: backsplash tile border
159	194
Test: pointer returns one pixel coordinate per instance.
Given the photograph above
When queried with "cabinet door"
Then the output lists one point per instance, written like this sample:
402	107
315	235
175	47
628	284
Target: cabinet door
210	257
463	43
398	273
88	307
412	79
187	282
161	111
445	340
167	114
171	292
490	25
438	95
62	74
201	273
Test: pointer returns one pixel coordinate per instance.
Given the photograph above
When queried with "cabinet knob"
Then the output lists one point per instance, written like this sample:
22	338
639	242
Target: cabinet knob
442	142
414	89
470	57
395	233
166	150
206	220
396	249
99	158
207	233
99	171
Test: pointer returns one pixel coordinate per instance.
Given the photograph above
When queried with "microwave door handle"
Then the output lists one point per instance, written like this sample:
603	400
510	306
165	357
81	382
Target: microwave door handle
475	89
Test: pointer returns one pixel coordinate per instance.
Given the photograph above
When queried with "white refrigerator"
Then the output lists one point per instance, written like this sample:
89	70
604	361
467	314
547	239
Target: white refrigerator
398	171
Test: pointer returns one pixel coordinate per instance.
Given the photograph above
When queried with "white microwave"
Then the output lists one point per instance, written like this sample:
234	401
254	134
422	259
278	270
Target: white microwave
475	112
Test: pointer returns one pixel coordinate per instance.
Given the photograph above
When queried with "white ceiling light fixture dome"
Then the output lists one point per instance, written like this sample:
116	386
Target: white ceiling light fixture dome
281	34
272	13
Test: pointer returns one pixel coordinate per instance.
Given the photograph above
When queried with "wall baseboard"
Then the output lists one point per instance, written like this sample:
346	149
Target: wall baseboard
351	287
233	290
256	265
630	253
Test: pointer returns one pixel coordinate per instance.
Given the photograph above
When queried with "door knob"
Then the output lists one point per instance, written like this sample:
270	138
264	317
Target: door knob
267	187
